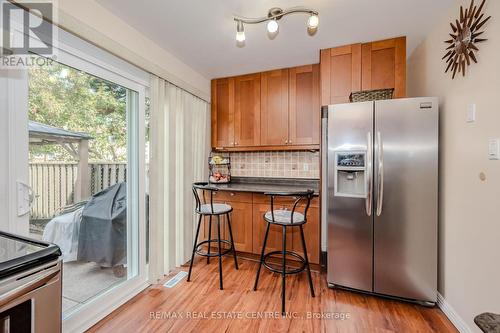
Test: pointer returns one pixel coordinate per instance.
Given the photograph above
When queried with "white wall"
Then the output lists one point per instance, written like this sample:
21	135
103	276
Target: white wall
469	239
91	21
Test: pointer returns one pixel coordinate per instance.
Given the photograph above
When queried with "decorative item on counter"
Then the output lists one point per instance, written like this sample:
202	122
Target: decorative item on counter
219	166
464	38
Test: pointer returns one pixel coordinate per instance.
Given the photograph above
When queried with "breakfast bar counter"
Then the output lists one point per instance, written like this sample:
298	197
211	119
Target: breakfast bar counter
246	197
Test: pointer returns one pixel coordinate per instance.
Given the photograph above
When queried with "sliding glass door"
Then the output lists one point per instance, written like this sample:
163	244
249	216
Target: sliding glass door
83	133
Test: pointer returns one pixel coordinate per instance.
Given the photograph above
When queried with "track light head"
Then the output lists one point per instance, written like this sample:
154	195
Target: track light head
240	32
272	26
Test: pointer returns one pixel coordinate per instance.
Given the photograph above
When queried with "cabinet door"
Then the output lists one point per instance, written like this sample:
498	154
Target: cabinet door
384	65
340	73
304	108
241	224
274	108
223	113
247	110
311	235
275	238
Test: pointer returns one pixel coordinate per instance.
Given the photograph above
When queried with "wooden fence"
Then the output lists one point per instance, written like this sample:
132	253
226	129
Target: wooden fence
53	184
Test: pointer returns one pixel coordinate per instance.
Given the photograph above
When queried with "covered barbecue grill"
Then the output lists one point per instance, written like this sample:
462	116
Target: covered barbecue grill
103	229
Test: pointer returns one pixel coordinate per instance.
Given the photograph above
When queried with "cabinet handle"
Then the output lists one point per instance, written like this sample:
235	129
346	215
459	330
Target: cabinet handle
236	143
231	194
286	141
290	141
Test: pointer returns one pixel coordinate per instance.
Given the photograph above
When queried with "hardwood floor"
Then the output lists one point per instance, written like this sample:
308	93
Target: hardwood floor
198	306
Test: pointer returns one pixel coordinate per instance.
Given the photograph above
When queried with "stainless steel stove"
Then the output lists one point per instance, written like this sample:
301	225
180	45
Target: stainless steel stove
30	285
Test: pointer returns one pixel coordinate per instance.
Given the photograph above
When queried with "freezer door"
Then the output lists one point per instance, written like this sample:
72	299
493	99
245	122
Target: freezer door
406	198
350	246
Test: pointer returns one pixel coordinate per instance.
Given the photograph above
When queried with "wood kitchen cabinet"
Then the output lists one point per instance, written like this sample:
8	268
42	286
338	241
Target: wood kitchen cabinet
242	226
274	108
383	65
340	73
223	112
304	107
247	110
357	67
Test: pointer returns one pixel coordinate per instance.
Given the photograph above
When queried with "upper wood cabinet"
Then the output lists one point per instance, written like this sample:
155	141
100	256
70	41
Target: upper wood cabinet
247	110
304	107
383	65
223	112
274	108
340	73
357	67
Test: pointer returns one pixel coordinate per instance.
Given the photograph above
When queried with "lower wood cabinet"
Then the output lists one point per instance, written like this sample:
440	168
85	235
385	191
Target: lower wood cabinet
249	227
241	224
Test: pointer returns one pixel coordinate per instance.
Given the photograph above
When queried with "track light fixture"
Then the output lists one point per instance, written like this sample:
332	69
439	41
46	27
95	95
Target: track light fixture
272	18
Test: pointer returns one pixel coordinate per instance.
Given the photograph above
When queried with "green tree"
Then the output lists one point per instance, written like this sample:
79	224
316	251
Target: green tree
64	97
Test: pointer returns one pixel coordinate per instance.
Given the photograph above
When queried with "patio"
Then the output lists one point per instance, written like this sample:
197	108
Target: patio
59	184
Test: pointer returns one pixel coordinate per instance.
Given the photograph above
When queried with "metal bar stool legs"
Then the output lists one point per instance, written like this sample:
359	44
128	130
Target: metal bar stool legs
194	248
283	273
232	240
307	261
283	269
220	252
209	237
261	258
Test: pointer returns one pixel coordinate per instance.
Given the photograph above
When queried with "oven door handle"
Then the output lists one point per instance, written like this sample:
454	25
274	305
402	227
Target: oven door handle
28	287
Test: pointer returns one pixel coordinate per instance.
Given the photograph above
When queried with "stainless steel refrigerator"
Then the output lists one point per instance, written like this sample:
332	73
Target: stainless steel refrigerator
381	201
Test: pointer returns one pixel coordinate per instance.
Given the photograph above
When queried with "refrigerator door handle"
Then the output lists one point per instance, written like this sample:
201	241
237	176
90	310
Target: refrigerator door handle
369	181
380	177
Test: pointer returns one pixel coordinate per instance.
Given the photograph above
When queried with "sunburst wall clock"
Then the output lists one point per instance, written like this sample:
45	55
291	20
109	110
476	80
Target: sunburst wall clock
466	33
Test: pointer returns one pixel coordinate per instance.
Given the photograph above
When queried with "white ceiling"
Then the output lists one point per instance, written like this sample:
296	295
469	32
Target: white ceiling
201	33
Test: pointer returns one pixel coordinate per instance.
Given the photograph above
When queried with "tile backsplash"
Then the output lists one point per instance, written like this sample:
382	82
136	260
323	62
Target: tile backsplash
276	164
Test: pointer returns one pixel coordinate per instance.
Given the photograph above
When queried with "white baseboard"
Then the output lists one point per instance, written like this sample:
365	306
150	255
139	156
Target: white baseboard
452	315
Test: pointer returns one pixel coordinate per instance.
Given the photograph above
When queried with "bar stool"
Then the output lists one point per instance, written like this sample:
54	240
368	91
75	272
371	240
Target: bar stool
211	209
286	219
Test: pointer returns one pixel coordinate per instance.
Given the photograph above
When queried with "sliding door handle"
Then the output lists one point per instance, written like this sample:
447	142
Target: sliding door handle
380	175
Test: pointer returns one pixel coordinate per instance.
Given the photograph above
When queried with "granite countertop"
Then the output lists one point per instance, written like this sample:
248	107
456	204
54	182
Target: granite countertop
262	185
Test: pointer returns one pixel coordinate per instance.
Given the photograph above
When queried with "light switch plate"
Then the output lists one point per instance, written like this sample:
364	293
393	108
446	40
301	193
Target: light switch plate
494	149
471	113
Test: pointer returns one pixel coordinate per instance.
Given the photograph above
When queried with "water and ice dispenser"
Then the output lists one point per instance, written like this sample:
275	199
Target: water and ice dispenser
350	173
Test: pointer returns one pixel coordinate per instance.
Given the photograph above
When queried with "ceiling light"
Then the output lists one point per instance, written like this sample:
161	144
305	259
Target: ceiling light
240	32
313	21
272	18
272	26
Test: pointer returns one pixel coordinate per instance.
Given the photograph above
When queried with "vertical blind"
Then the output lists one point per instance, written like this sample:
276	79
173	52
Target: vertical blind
180	143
